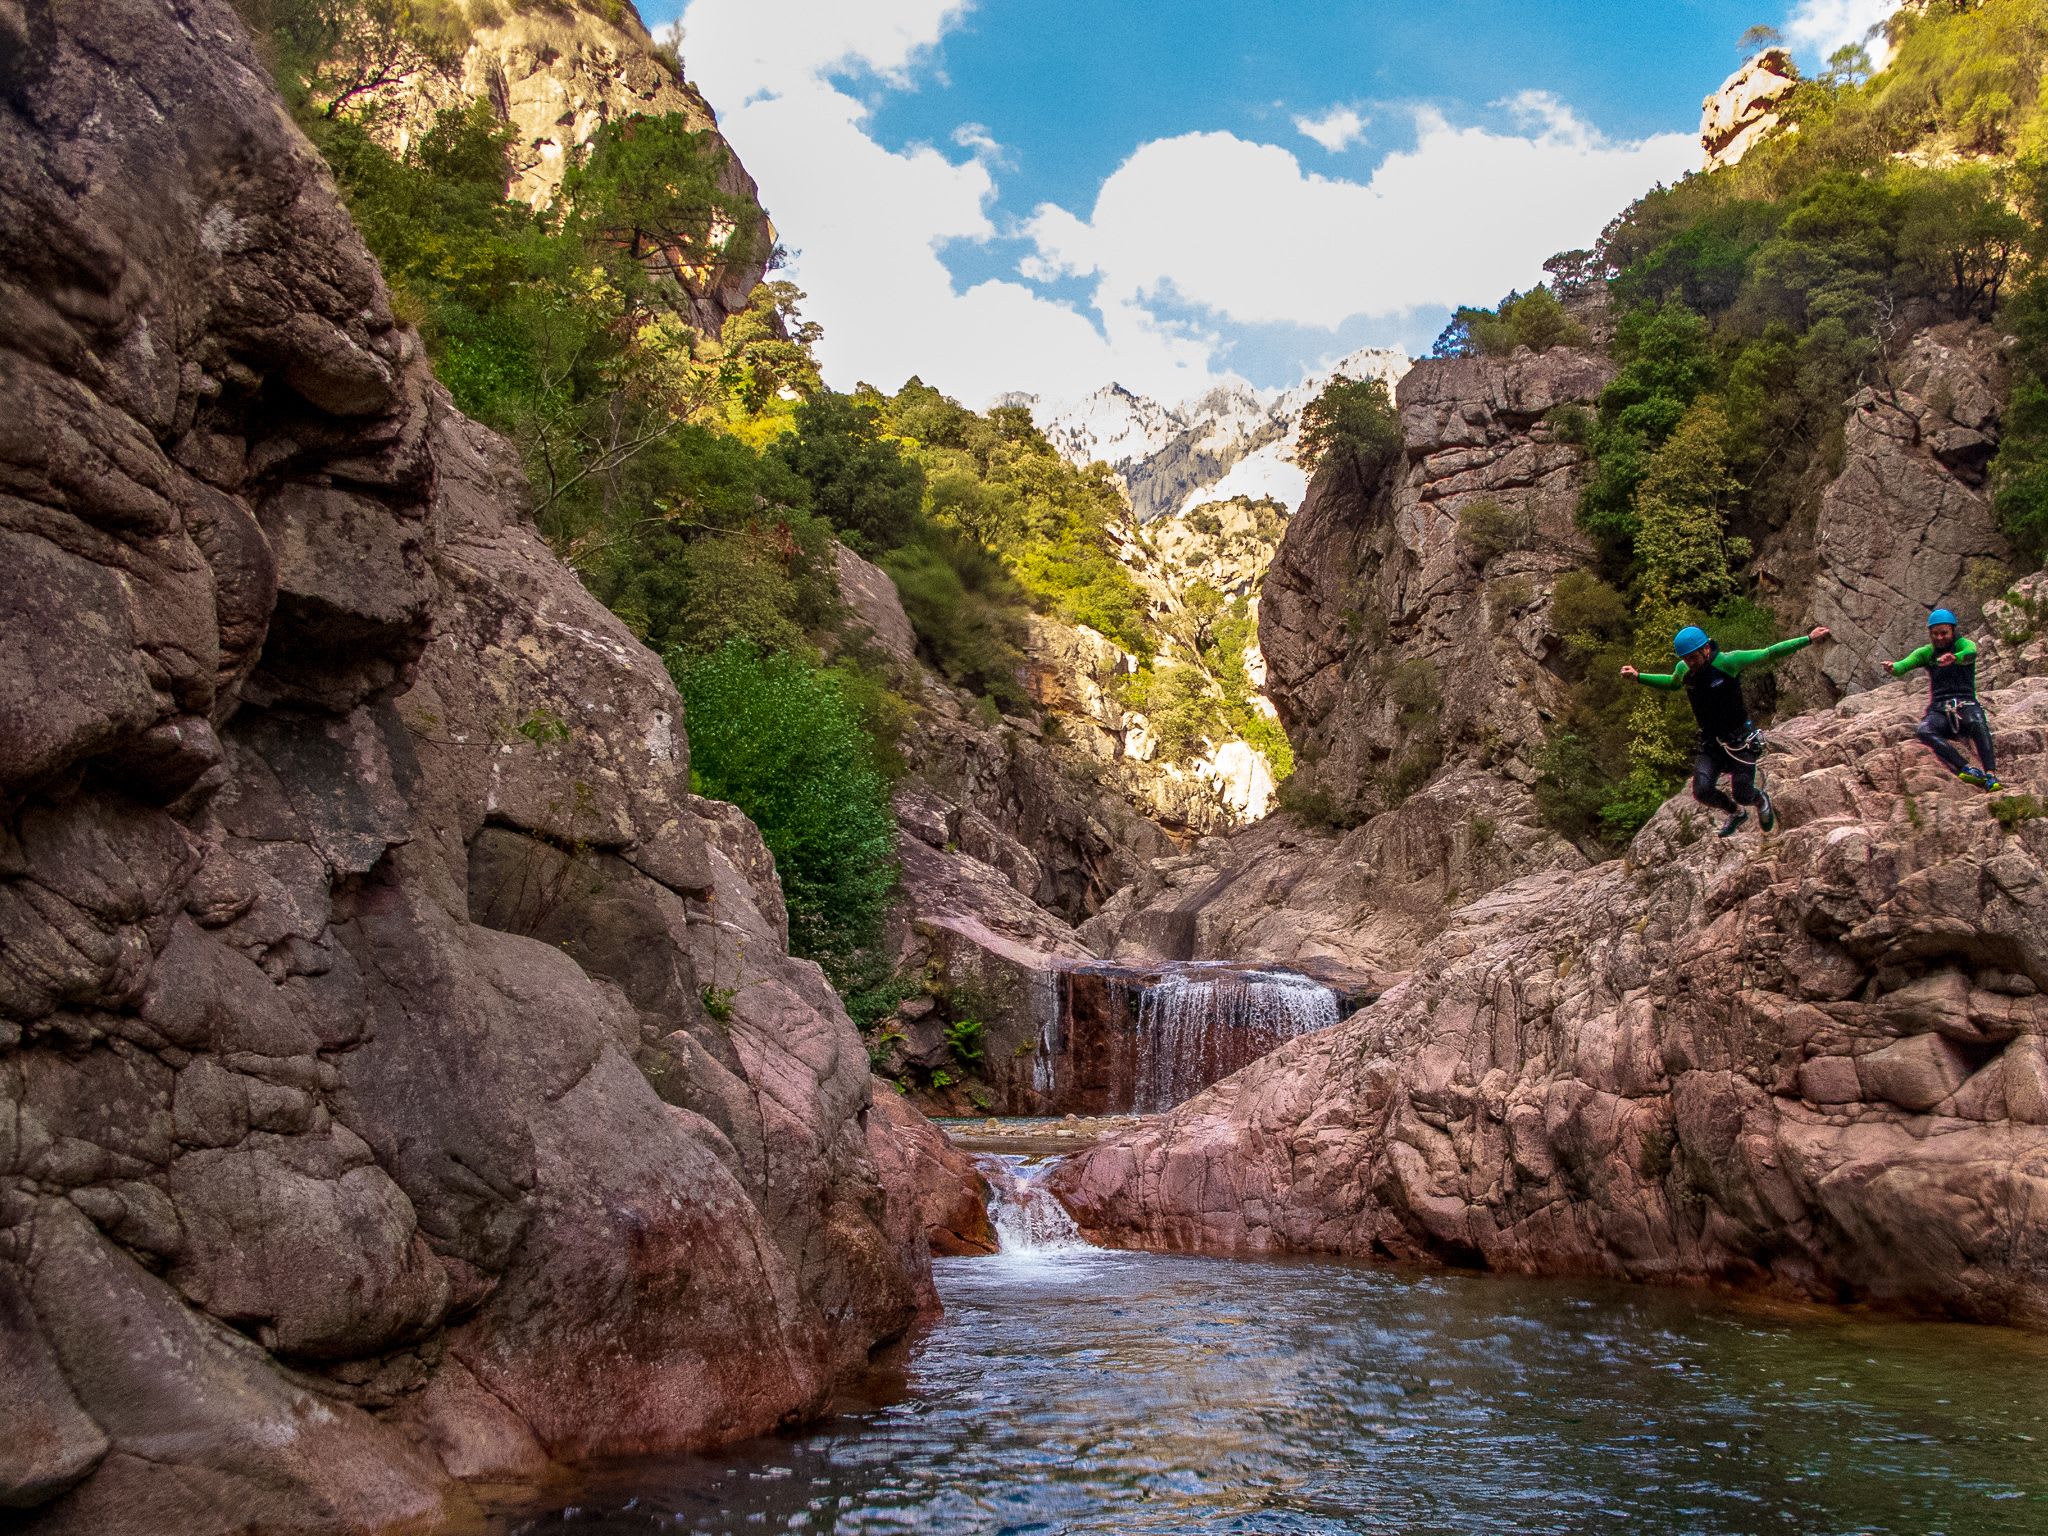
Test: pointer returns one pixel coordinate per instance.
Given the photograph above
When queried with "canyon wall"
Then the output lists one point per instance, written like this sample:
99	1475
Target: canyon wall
402	1077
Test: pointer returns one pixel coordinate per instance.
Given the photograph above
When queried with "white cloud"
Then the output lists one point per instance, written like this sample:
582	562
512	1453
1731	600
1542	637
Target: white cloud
1819	27
979	142
1240	229
730	44
1236	230
868	222
1336	130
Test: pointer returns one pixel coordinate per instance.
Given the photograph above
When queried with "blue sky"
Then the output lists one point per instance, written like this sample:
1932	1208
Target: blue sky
1047	194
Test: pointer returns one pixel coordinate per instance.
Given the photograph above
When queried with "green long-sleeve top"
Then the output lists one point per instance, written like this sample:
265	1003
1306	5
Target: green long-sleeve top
1731	663
1957	680
1965	649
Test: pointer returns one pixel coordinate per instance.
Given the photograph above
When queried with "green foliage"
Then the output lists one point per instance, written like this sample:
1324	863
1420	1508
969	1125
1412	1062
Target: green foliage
2019	473
1487	530
2012	810
776	736
861	483
332	57
967	1039
718	1001
656	192
1355	417
967	609
1536	319
544	728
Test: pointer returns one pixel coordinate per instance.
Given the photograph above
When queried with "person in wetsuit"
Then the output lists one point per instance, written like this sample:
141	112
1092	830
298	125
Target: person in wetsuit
1729	742
1953	710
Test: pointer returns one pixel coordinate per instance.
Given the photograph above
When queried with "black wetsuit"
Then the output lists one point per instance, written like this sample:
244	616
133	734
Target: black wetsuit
1953	711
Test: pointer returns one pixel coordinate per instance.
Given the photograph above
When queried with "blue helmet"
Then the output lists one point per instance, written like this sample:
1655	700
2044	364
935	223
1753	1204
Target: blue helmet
1943	616
1689	639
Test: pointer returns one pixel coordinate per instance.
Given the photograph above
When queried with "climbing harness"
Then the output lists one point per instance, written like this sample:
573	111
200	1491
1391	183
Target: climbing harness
1747	750
1963	714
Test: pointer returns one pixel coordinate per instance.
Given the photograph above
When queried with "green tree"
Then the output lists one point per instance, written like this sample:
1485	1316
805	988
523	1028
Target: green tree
777	737
1355	417
653	190
860	482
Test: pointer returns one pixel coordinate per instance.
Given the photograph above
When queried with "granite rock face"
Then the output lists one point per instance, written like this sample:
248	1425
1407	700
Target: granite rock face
1392	644
1814	1062
1744	110
1907	525
1352	906
402	1077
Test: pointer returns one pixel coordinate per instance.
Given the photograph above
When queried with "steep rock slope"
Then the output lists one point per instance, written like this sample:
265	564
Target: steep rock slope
1413	678
362	1125
1818	1063
1390	643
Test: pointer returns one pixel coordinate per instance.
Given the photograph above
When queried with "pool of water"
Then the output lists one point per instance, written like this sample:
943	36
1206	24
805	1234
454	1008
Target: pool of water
1107	1392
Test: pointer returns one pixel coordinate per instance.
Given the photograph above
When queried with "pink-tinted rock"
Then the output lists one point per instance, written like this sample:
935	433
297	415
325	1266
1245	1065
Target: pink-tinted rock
1749	1061
952	1196
388	1094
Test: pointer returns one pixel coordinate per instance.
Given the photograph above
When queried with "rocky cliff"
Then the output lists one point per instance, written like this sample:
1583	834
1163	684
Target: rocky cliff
1744	110
402	1077
1816	1064
1393	641
555	74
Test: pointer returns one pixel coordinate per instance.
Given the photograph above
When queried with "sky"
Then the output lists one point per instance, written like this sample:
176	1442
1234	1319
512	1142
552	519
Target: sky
1051	195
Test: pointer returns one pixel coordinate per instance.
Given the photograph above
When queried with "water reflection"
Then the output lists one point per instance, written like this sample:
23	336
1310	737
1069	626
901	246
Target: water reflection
1112	1392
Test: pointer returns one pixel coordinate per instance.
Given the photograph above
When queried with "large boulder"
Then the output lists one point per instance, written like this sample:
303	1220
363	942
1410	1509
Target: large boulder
402	1076
1814	1062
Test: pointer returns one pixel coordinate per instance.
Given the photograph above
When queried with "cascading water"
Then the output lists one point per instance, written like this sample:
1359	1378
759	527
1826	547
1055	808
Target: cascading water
1027	1219
1120	1039
1197	1025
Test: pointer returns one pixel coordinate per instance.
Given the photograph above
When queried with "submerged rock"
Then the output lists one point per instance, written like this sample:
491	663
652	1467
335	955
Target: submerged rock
1811	1061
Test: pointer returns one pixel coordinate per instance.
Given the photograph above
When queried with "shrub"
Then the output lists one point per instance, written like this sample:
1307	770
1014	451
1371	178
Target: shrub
967	610
775	736
2011	810
1487	530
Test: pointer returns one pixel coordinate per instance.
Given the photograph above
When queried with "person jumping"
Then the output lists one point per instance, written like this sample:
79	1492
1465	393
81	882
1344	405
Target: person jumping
1730	743
1953	710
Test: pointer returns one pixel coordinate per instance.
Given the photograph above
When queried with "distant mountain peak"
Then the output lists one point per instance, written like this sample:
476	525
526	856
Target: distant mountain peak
1233	439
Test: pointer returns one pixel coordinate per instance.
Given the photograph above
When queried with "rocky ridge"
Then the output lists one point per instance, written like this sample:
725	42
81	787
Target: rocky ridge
1744	110
403	1079
1816	1063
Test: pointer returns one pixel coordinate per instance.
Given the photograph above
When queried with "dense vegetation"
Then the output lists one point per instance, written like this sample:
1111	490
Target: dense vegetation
1750	305
696	482
783	740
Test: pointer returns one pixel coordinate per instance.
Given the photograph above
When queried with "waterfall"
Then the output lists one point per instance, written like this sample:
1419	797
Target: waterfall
1026	1216
1114	1039
1197	1025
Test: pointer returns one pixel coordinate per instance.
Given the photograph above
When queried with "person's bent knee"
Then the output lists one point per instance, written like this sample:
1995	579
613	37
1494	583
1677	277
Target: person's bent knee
1927	733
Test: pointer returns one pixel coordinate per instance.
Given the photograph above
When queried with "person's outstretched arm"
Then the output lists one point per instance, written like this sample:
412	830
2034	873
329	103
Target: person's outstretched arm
1924	657
1733	662
1666	680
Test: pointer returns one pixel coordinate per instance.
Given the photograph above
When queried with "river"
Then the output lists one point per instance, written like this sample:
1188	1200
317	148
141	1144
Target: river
1092	1391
